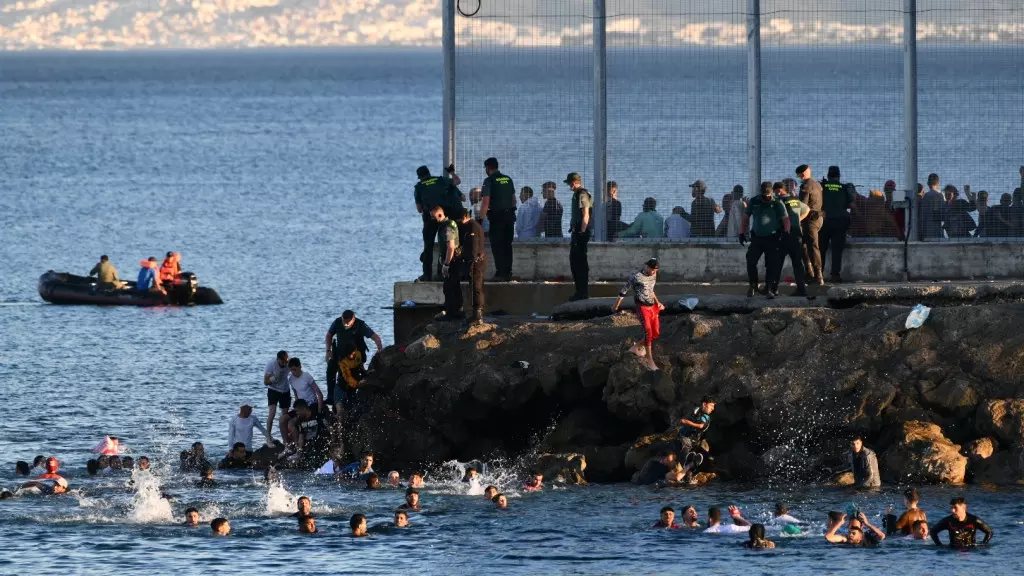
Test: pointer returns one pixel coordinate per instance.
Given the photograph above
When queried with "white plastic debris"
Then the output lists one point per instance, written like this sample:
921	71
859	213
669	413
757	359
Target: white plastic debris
523	364
917	316
690	303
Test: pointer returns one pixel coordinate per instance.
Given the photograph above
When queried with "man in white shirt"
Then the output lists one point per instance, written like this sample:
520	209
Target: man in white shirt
528	216
240	429
305	388
275	378
735	215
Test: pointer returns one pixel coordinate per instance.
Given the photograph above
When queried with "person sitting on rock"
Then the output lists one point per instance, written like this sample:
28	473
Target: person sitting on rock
535	483
655	469
692	434
906	521
667	519
757	539
864	464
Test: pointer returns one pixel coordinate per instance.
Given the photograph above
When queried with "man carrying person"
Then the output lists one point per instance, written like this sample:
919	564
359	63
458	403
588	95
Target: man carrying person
106	273
433	191
471	238
962	527
344	330
769	220
810	194
275	378
835	200
647	308
790	242
499	204
579	230
451	264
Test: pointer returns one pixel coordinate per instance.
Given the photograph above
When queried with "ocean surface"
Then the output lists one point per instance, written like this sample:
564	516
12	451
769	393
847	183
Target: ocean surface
284	179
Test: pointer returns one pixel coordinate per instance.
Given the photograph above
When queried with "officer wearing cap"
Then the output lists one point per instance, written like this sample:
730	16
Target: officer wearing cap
702	211
579	231
498	202
451	264
790	243
434	191
765	217
836	198
810	194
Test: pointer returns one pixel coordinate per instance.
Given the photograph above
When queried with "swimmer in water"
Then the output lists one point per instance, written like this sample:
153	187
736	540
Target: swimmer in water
781	515
962	527
394	480
206	478
490	492
471	475
689	515
855	535
534	483
92	467
127	462
191	517
715	526
38	464
500	501
905	523
220	527
307	525
6	494
372	481
401	519
305	507
358	525
143	463
103	463
757	540
416	480
115	464
412	501
667	519
21	468
919	531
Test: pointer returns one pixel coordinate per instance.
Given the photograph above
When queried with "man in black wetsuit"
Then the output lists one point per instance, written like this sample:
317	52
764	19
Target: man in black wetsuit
961	526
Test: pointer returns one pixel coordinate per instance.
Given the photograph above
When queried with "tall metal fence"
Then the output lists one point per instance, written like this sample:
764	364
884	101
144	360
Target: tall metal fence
655	95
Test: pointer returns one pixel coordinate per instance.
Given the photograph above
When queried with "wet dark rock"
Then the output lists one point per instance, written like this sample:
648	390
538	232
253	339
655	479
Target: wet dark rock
921	454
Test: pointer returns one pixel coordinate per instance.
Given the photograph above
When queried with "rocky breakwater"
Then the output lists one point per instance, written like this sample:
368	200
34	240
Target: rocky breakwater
941	403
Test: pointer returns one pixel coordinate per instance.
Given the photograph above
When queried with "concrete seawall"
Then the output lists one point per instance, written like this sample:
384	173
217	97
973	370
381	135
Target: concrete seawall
726	262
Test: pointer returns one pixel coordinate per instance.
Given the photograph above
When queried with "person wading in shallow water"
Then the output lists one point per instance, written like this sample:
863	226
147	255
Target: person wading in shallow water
647	308
961	526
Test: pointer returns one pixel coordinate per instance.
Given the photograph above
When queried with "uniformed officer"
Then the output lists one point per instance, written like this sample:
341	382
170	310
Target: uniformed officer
451	264
810	194
434	191
764	217
836	199
499	203
790	244
579	234
471	238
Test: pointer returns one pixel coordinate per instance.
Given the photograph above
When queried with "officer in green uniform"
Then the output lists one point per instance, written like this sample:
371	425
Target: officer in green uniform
498	201
836	198
451	264
791	244
434	191
764	217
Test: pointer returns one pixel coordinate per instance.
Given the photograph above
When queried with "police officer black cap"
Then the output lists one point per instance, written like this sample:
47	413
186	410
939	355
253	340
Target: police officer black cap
833	171
423	172
491	163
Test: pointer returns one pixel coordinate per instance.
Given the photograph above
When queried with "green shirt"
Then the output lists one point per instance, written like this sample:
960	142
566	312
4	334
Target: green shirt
437	191
106	272
448	231
765	215
580	202
647	225
796	209
501	191
836	197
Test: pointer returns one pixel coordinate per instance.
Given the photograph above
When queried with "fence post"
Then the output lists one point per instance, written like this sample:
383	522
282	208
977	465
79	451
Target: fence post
448	82
910	116
598	223
753	96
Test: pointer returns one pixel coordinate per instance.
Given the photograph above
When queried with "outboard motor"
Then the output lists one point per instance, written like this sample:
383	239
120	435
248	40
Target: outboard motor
185	286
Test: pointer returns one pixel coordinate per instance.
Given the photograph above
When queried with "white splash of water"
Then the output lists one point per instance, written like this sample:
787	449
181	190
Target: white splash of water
279	500
148	505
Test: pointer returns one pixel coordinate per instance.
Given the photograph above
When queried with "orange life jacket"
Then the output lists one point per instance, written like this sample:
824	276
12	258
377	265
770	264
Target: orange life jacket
170	268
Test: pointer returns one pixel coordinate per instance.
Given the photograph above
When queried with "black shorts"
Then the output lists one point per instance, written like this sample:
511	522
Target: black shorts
283	400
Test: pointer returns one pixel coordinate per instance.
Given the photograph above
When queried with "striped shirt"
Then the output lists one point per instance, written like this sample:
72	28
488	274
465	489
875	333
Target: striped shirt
642	286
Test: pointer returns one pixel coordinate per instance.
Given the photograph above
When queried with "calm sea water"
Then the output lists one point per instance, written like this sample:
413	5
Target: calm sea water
284	179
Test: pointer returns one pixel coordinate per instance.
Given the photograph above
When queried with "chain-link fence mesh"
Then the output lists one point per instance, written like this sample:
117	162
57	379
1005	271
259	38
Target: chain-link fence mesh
832	94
